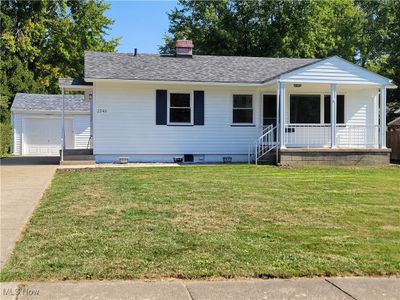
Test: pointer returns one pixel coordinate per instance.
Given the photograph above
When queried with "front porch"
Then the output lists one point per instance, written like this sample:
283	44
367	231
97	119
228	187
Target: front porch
314	121
330	112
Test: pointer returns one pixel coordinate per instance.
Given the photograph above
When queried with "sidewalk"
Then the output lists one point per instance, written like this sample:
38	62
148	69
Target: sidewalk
313	288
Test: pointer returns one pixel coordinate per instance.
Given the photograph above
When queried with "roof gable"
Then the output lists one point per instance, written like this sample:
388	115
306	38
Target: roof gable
334	70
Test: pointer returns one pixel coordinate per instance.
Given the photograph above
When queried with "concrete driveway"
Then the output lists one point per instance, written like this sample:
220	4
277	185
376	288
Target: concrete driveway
23	181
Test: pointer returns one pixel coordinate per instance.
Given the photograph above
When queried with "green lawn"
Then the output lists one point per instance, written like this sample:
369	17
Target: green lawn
213	221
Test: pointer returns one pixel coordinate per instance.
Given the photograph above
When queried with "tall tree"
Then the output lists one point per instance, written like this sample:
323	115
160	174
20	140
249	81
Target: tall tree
365	32
291	28
44	40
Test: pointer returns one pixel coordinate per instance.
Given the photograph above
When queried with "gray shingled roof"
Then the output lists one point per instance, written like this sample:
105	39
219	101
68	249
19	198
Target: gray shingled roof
32	102
223	69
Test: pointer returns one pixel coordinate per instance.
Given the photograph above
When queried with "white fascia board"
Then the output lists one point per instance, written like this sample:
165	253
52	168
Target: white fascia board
331	82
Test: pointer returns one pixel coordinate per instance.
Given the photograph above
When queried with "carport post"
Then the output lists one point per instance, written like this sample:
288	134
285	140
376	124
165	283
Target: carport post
62	127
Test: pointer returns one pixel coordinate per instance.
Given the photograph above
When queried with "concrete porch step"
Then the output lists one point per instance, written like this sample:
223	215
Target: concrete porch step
268	159
77	162
78	157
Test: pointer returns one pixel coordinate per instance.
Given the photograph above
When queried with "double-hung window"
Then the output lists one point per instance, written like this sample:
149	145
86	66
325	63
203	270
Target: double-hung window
180	108
242	109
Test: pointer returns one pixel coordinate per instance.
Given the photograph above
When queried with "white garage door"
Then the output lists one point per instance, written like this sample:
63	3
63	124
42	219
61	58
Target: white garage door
43	136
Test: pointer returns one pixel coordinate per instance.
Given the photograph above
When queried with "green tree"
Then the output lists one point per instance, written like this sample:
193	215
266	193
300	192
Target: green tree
44	40
365	32
291	28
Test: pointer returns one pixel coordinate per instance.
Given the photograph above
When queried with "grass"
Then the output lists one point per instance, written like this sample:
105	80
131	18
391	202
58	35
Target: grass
216	221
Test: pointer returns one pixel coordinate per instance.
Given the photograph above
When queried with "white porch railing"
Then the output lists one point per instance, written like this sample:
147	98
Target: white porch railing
263	144
357	136
307	135
319	136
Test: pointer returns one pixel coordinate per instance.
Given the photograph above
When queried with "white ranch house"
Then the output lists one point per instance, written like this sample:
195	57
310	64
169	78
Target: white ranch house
190	108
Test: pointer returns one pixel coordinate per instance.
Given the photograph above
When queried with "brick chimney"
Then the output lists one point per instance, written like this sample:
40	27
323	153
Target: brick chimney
183	48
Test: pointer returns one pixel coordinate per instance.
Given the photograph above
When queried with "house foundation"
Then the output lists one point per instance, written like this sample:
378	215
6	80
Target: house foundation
334	157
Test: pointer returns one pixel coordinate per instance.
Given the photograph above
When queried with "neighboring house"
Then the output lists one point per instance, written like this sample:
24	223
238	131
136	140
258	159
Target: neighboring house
37	123
396	121
160	108
393	138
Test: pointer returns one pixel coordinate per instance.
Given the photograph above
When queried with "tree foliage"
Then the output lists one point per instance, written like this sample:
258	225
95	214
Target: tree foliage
365	32
44	40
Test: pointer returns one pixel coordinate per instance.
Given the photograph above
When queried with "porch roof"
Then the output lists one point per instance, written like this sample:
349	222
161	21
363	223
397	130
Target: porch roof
77	84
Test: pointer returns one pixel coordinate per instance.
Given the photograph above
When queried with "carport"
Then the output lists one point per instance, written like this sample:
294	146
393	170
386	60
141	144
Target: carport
75	85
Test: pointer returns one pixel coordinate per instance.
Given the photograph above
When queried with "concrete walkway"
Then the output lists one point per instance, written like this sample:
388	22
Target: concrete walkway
22	185
330	288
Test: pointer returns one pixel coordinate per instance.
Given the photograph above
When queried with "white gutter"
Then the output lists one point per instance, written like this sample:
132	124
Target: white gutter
209	83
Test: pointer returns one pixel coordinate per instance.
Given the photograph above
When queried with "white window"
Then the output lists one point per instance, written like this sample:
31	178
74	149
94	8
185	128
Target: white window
242	109
180	108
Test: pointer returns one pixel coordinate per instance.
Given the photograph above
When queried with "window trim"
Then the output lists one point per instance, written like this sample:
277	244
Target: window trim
234	124
191	107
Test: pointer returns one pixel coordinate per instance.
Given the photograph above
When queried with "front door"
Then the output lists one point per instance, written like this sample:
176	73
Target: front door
269	110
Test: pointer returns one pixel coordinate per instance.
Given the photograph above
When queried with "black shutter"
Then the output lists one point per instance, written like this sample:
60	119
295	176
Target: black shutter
161	107
198	107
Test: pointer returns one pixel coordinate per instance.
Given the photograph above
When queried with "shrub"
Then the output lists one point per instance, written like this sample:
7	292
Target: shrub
5	138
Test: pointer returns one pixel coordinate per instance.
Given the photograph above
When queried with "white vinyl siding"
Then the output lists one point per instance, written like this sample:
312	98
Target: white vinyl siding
125	125
17	133
82	132
129	126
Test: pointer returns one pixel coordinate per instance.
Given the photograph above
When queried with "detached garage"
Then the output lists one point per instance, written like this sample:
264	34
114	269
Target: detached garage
37	126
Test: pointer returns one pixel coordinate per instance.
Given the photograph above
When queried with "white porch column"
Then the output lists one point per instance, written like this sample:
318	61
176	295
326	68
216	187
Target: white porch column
333	115
282	99
62	126
277	132
383	118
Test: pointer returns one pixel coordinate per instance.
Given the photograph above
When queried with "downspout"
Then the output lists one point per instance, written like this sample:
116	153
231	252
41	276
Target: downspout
62	127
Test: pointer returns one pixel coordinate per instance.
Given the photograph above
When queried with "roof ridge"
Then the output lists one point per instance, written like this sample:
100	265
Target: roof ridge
202	55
